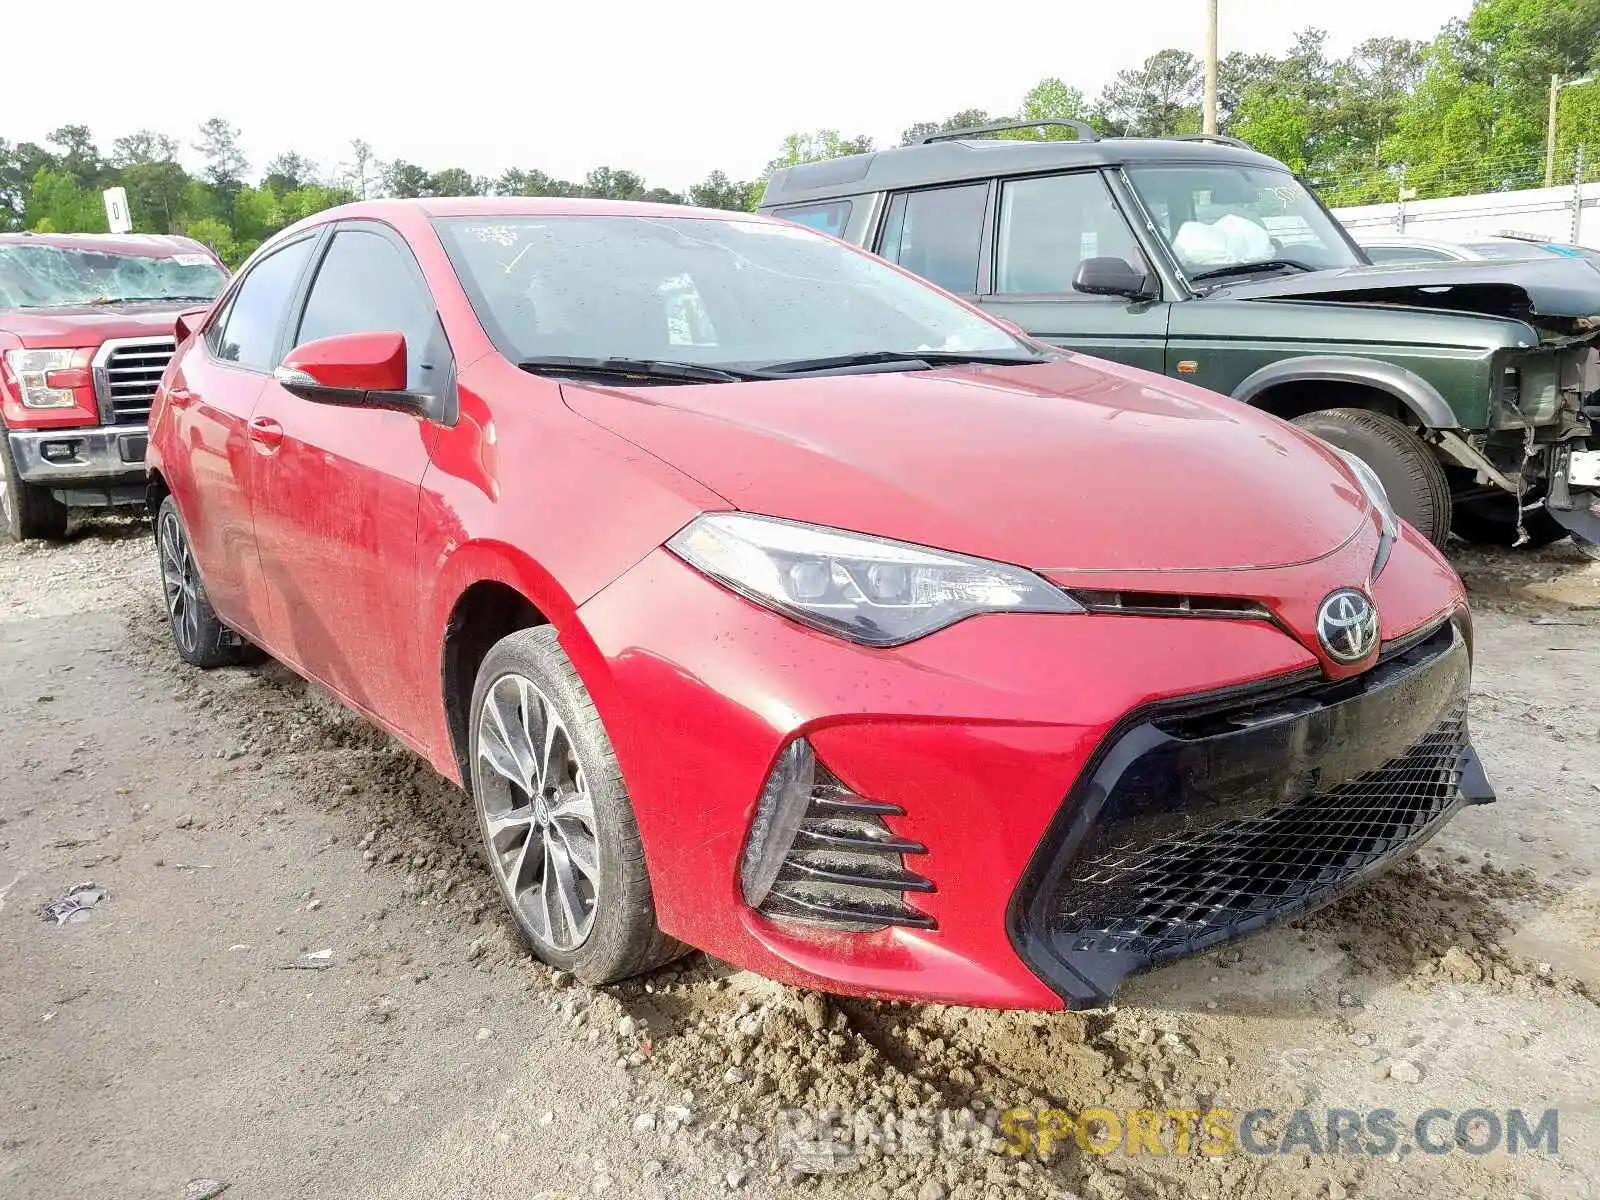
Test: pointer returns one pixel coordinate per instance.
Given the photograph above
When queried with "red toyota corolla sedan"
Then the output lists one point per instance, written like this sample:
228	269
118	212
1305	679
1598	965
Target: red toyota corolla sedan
768	600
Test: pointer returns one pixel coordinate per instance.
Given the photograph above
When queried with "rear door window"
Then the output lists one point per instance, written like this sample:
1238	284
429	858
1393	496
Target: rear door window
830	217
249	331
938	233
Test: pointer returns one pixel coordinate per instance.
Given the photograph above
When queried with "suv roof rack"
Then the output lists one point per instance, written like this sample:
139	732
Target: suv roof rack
1221	139
1085	131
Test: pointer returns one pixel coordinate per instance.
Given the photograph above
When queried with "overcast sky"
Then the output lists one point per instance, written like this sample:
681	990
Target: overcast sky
669	88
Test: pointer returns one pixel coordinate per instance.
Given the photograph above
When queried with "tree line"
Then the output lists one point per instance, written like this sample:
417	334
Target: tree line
1464	111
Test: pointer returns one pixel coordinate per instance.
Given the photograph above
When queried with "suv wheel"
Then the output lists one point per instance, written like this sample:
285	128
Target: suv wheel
1403	462
556	822
26	512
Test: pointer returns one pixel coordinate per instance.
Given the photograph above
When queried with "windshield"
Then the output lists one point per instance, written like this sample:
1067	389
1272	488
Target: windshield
724	293
40	275
1216	217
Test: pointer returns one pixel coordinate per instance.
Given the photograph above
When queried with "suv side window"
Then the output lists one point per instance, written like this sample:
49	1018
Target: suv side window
1049	225
247	333
937	234
829	217
365	285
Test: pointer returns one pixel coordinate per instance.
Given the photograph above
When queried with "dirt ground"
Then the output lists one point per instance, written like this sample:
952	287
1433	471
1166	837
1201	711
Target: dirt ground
297	982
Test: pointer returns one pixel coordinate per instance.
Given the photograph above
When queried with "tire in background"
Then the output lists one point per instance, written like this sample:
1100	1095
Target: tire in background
26	512
1406	465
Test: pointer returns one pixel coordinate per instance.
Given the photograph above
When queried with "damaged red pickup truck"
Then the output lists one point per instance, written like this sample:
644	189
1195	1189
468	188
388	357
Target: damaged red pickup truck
86	329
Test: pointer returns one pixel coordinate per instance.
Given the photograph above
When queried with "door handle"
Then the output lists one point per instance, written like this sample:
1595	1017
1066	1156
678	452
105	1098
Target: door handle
267	434
180	397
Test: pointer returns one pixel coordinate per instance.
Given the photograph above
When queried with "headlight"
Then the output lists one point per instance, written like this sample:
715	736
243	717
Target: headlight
49	378
864	589
1373	487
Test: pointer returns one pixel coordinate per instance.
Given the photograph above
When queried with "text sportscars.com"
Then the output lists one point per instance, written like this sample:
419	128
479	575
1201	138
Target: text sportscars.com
1212	1132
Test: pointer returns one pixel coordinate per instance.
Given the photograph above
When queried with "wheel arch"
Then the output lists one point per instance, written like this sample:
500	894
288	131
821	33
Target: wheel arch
1284	388
488	590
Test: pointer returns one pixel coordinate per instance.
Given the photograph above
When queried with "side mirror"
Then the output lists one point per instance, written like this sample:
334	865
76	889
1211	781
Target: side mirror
1112	277
366	370
188	321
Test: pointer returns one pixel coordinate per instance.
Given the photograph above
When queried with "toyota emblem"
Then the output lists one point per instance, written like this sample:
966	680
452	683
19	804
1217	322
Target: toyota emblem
1347	626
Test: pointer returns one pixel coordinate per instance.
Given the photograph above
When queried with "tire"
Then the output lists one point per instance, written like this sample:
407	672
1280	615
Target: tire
1492	521
27	512
606	930
1403	462
198	634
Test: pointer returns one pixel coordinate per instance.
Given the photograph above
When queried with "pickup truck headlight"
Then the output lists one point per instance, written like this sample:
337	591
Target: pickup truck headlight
1379	499
867	590
49	378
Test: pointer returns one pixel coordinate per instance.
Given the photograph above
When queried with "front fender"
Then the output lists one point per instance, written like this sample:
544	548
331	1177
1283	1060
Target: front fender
1419	396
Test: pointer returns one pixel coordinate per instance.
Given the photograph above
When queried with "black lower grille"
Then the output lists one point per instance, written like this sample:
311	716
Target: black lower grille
1157	899
1197	826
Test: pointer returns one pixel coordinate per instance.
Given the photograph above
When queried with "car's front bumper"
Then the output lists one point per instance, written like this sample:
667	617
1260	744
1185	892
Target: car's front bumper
95	466
981	736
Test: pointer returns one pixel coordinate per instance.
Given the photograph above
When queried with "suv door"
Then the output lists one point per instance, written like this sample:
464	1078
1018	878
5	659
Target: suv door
334	490
1046	226
209	402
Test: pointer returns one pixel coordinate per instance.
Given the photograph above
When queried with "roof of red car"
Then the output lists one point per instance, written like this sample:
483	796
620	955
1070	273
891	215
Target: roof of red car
511	206
153	245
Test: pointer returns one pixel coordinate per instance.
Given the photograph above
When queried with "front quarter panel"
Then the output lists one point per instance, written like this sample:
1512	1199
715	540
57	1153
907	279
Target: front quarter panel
523	491
1229	340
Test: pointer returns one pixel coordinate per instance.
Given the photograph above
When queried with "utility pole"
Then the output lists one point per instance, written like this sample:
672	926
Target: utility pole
1556	85
1550	134
1211	71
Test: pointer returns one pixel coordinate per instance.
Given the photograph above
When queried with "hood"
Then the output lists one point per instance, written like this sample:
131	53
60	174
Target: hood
90	324
1074	464
1544	287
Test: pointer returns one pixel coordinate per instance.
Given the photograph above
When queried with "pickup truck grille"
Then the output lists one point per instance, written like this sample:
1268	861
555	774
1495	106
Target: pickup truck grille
126	373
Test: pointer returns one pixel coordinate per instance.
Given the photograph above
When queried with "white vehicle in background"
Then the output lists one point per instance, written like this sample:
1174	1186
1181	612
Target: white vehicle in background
1386	248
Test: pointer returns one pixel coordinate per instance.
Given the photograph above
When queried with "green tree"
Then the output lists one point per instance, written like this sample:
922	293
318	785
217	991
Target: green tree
404	180
225	162
814	147
455	181
1158	98
214	233
287	172
716	190
57	204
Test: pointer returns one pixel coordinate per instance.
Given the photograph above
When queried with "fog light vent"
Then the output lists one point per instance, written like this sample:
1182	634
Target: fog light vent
819	853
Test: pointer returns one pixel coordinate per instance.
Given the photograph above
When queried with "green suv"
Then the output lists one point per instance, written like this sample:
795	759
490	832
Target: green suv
1470	388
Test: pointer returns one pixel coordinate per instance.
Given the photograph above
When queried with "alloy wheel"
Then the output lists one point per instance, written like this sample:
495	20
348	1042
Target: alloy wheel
537	813
180	583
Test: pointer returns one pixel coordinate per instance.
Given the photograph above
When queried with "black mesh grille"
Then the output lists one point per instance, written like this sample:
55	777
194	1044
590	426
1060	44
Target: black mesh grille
1204	819
1166	895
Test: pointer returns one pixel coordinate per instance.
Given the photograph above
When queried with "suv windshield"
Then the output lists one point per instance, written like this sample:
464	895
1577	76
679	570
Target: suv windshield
720	293
40	275
1221	217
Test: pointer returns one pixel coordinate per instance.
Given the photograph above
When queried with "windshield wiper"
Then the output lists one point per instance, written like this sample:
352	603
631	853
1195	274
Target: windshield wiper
144	299
634	368
908	360
1266	264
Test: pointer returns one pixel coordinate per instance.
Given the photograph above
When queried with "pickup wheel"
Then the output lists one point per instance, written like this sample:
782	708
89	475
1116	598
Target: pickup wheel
1492	521
199	636
557	825
1403	462
26	512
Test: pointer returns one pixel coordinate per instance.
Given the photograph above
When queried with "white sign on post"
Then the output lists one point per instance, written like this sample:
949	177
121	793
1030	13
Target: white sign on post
118	219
